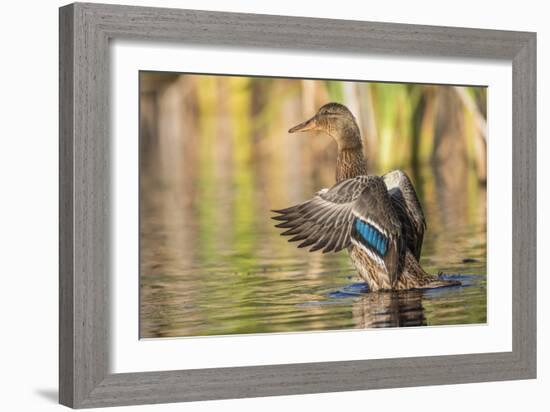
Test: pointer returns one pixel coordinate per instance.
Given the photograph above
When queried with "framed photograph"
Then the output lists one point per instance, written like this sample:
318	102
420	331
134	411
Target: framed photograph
256	205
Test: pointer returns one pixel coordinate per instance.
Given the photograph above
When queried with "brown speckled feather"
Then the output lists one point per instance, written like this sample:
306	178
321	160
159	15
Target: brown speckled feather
327	221
408	208
375	205
323	222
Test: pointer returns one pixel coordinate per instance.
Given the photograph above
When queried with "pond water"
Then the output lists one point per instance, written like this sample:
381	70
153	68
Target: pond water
219	267
215	158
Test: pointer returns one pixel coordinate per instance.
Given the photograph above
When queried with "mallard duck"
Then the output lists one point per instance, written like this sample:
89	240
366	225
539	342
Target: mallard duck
379	220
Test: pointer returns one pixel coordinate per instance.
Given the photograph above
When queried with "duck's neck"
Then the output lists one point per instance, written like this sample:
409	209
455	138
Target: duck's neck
350	163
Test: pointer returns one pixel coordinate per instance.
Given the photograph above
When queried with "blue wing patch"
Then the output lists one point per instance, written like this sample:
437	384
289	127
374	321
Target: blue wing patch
371	237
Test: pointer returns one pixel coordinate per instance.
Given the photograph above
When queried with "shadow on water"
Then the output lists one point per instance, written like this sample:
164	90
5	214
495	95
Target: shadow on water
389	310
397	308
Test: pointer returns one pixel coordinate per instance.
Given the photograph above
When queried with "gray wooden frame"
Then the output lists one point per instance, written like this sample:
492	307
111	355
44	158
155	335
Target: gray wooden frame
85	31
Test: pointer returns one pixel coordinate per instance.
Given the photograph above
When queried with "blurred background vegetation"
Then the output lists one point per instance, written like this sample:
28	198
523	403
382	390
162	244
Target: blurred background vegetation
215	157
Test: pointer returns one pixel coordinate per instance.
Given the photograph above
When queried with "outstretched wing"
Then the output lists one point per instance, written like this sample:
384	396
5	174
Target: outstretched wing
408	208
377	228
325	221
357	211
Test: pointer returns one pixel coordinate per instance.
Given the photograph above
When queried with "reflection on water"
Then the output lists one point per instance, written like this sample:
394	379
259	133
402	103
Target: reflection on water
211	261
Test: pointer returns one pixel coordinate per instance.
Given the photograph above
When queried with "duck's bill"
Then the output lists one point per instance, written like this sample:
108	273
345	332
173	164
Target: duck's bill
310	124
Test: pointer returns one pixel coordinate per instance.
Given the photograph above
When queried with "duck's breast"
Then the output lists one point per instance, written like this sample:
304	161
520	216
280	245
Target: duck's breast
370	267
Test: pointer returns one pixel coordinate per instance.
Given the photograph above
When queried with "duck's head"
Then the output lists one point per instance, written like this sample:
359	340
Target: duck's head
336	120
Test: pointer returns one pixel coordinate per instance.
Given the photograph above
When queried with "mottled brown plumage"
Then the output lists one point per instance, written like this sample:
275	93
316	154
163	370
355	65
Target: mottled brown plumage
350	163
378	219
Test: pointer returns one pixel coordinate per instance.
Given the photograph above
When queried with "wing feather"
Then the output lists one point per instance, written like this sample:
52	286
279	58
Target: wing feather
323	222
327	221
405	203
374	205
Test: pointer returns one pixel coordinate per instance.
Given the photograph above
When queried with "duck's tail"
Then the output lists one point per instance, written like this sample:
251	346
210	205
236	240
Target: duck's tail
414	277
440	283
